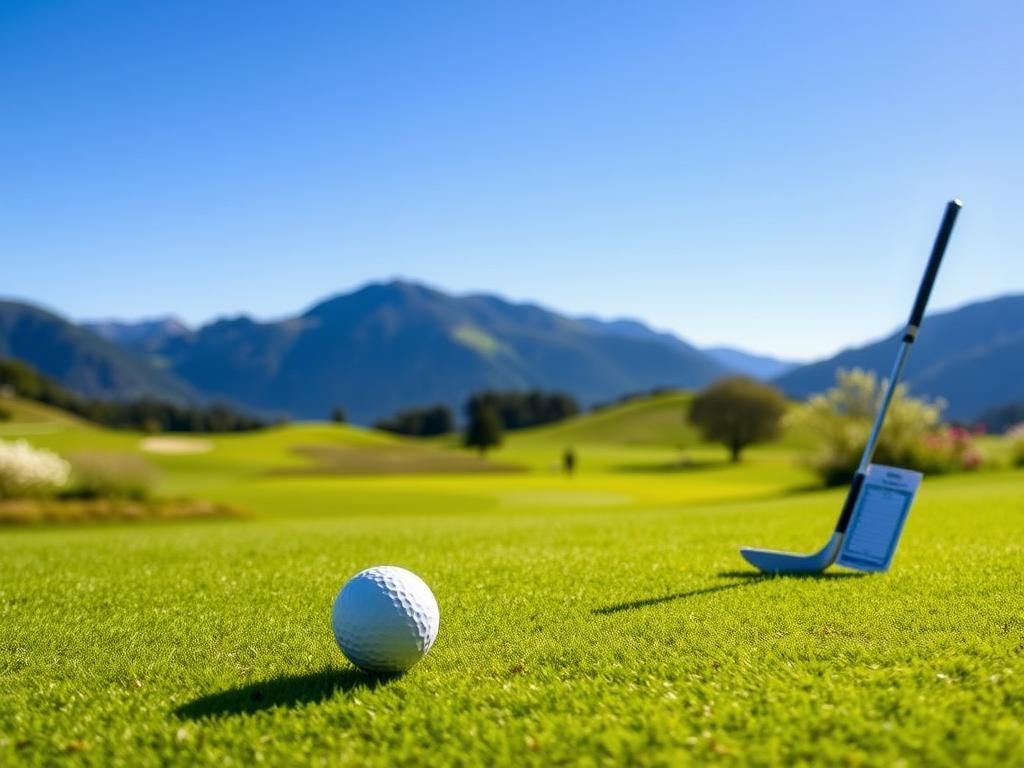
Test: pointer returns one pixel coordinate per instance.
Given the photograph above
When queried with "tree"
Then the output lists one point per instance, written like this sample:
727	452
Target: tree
518	410
738	411
484	430
420	422
338	415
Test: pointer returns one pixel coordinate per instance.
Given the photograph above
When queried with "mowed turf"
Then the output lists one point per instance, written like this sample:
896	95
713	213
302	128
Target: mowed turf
600	619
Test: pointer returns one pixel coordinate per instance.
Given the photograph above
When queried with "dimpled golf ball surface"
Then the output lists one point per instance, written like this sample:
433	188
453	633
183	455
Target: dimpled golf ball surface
385	619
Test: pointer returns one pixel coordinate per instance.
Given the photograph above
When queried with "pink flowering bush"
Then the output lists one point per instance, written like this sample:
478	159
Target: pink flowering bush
947	449
1016	438
838	423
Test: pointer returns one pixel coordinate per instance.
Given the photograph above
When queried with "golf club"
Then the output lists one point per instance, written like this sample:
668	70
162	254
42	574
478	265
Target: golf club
771	561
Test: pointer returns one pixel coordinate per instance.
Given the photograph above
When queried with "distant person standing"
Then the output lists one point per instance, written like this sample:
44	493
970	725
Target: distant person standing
569	461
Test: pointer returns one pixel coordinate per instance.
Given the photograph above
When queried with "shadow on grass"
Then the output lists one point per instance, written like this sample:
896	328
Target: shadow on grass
746	579
815	487
649	601
673	467
283	691
758	576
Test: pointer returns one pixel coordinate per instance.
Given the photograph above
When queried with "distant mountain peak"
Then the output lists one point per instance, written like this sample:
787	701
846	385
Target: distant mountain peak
119	330
750	363
396	292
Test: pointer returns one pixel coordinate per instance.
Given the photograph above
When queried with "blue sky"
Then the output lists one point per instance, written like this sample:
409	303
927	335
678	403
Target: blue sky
763	174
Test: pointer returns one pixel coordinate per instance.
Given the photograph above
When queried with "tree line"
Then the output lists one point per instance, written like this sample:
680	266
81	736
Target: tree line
145	414
1002	418
488	414
420	422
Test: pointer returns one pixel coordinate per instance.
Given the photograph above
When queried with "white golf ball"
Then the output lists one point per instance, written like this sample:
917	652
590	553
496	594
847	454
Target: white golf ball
385	619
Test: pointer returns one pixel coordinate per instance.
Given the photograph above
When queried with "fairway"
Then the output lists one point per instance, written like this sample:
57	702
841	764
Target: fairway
600	619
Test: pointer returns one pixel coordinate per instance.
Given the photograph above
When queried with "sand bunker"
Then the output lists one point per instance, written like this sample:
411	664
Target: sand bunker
175	446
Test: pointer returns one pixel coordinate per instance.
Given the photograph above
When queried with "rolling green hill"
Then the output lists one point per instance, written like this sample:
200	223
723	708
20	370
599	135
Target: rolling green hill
648	434
657	420
193	463
24	412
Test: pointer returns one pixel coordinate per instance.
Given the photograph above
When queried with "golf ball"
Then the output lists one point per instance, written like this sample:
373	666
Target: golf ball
385	619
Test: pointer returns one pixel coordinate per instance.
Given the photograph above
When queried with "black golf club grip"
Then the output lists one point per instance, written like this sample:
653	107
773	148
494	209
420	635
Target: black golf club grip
934	262
851	501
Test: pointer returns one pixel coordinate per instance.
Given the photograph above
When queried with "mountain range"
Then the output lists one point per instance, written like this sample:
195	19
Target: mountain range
373	351
82	360
394	345
971	357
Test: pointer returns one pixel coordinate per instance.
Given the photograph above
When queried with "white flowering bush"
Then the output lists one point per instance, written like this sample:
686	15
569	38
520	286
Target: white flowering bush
28	471
839	421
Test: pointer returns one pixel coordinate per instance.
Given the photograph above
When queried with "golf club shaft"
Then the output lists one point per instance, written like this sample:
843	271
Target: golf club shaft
890	390
924	292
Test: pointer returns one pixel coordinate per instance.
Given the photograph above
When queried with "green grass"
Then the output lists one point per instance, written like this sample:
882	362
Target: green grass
601	619
655	420
648	434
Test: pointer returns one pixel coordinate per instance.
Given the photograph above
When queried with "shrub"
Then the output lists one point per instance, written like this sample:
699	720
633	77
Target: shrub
111	476
913	436
947	449
1016	437
26	471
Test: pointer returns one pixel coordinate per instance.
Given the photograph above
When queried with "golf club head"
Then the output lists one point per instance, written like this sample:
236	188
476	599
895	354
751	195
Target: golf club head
772	561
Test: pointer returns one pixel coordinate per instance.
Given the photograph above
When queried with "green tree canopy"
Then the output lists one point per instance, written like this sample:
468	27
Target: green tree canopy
484	429
738	411
518	409
420	422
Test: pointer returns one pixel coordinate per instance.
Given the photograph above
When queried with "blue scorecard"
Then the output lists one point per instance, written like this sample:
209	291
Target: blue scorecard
877	522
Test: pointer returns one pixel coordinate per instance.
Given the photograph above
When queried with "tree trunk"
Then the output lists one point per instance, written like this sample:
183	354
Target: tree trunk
735	449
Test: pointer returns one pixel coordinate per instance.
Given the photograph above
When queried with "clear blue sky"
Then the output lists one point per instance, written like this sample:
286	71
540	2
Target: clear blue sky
764	174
